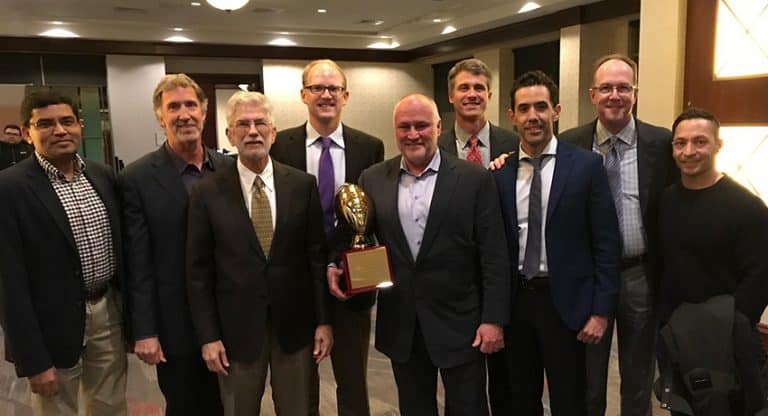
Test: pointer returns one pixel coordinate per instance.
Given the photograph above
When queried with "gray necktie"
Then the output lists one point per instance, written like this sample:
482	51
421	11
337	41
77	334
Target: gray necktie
613	169
532	257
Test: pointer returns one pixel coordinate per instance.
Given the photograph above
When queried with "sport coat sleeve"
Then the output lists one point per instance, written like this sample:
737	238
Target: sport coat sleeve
201	268
20	320
140	277
492	250
605	240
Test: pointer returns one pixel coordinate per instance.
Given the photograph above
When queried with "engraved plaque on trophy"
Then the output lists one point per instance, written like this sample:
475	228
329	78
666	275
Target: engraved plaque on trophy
366	265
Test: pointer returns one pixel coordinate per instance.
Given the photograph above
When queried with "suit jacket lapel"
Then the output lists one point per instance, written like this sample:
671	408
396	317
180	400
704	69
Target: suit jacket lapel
43	190
297	147
168	177
563	165
447	142
231	190
494	141
645	159
441	198
389	201
283	199
350	150
102	186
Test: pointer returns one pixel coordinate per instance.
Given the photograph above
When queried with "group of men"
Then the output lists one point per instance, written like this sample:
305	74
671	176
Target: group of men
219	271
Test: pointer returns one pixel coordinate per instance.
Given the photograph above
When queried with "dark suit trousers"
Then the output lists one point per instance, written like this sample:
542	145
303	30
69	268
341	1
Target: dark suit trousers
416	381
189	388
537	340
349	359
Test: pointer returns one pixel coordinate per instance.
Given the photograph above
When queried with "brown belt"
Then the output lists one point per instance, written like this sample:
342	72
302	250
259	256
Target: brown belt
540	282
629	262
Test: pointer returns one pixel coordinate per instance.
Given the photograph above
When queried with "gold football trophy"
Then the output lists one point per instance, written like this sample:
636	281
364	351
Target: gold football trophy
366	265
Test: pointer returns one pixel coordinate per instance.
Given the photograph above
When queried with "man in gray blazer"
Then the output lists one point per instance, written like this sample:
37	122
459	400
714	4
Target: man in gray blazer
440	218
639	162
473	137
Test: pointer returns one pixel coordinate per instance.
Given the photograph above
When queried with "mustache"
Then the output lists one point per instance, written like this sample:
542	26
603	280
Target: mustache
187	123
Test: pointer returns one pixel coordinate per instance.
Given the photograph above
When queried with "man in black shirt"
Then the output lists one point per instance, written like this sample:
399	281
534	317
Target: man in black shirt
12	148
713	230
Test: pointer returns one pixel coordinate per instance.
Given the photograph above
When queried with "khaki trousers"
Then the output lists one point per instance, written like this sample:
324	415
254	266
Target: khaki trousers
290	378
96	384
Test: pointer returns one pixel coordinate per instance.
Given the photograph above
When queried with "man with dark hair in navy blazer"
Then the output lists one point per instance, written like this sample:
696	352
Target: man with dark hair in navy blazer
335	153
564	243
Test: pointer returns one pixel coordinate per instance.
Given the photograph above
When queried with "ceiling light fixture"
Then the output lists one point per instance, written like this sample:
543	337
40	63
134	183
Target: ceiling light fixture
178	29
439	20
527	7
282	42
59	33
195	4
243	87
384	45
57	22
448	29
178	39
322	10
227	5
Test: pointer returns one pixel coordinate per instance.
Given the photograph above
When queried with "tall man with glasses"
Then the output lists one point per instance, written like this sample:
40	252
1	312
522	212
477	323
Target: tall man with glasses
637	158
155	192
61	268
256	270
564	243
335	153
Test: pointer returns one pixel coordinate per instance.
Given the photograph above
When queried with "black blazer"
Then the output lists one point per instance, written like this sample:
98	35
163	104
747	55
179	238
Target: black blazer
233	288
40	267
656	170
502	141
361	151
155	214
461	277
582	234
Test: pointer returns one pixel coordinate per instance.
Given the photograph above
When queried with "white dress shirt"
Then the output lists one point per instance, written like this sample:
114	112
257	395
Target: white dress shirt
315	147
247	177
524	178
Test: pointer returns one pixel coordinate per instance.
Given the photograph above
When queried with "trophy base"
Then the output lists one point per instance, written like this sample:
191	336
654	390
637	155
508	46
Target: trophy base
366	269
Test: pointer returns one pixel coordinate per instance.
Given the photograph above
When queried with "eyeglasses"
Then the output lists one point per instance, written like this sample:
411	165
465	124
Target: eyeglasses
262	126
319	89
621	89
49	123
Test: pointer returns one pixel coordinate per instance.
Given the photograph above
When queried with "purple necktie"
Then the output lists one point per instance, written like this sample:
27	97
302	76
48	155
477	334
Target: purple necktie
326	185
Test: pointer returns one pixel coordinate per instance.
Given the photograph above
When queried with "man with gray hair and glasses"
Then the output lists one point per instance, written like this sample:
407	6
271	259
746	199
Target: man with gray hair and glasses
256	270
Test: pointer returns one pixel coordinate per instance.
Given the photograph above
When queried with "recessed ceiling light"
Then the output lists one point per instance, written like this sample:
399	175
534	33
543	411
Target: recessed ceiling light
57	22
195	4
439	20
384	45
178	29
59	33
282	42
178	38
448	29
322	10
243	87
527	7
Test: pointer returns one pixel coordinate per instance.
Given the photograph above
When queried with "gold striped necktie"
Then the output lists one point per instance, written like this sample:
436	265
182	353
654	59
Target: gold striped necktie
261	215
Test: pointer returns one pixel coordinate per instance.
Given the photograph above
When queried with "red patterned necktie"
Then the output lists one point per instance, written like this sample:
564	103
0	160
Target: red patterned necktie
474	152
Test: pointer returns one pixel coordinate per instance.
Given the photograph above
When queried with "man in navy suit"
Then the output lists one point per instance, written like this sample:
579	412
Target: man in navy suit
564	242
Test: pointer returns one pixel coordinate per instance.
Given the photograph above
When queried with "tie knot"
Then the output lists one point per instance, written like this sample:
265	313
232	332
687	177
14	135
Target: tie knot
473	141
535	161
258	183
325	142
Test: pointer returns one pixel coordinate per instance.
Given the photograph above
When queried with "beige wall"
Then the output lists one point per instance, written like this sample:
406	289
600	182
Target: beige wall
374	88
662	60
11	96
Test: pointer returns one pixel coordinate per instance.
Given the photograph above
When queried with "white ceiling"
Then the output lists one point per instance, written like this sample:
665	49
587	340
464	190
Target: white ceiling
408	23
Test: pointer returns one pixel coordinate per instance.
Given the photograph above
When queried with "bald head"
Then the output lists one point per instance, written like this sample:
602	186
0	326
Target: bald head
417	127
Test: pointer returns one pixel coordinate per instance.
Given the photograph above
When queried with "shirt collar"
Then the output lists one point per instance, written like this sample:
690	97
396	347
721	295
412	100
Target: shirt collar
248	176
54	173
336	136
484	135
181	165
432	167
550	150
627	135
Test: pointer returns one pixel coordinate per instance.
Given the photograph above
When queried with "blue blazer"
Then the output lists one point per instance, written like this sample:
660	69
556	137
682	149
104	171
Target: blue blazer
582	234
